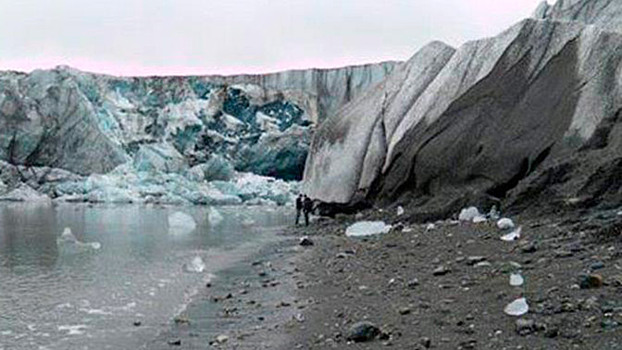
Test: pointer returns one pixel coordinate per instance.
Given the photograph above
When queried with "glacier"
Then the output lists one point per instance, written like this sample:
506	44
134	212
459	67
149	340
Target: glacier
82	137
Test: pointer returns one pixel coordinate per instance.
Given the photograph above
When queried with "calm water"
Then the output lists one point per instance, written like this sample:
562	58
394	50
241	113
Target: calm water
56	296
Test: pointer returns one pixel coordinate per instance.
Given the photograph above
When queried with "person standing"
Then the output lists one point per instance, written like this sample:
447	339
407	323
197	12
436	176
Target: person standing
299	204
307	208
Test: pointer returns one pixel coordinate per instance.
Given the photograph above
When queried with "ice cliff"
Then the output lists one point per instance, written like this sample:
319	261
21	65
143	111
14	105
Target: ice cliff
91	129
530	116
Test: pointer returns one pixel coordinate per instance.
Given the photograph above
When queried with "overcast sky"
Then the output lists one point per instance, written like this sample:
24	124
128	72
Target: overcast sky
163	37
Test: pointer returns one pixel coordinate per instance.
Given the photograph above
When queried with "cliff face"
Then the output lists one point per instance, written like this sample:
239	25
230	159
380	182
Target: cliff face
485	120
90	123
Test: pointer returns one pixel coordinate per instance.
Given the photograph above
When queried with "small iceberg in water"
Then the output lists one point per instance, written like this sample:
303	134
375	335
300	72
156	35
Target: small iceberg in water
67	240
197	265
367	228
181	223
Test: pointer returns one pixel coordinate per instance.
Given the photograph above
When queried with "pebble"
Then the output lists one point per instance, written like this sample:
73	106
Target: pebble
404	311
363	332
440	271
221	339
174	342
426	342
413	283
597	265
306	242
561	253
525	326
529	247
472	260
590	281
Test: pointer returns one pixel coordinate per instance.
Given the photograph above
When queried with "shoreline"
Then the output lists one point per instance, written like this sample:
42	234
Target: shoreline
444	288
243	306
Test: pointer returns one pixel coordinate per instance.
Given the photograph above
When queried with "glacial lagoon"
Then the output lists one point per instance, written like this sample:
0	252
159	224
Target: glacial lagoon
76	276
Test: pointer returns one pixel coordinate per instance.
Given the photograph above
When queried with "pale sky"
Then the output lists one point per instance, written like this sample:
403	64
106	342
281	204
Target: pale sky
182	37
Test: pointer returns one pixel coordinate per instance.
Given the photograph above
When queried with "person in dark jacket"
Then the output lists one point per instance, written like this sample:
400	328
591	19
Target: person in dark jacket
299	204
307	208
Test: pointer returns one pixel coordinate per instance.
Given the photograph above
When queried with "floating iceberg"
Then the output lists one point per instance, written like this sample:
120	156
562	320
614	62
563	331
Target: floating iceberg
68	242
214	217
518	307
181	223
505	224
197	265
367	228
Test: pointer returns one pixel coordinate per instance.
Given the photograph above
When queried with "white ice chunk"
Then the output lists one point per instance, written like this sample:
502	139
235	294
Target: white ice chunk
400	210
25	193
196	265
516	280
180	223
512	236
367	228
68	242
479	219
214	217
518	307
468	214
505	224
74	329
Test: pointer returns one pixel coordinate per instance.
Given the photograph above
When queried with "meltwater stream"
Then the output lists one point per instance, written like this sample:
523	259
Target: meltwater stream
148	264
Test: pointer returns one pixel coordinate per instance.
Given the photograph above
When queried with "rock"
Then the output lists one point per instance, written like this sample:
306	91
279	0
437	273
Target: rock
362	332
426	342
597	265
528	247
413	283
221	339
441	271
525	326
174	342
305	241
404	310
590	281
137	323
562	253
472	260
